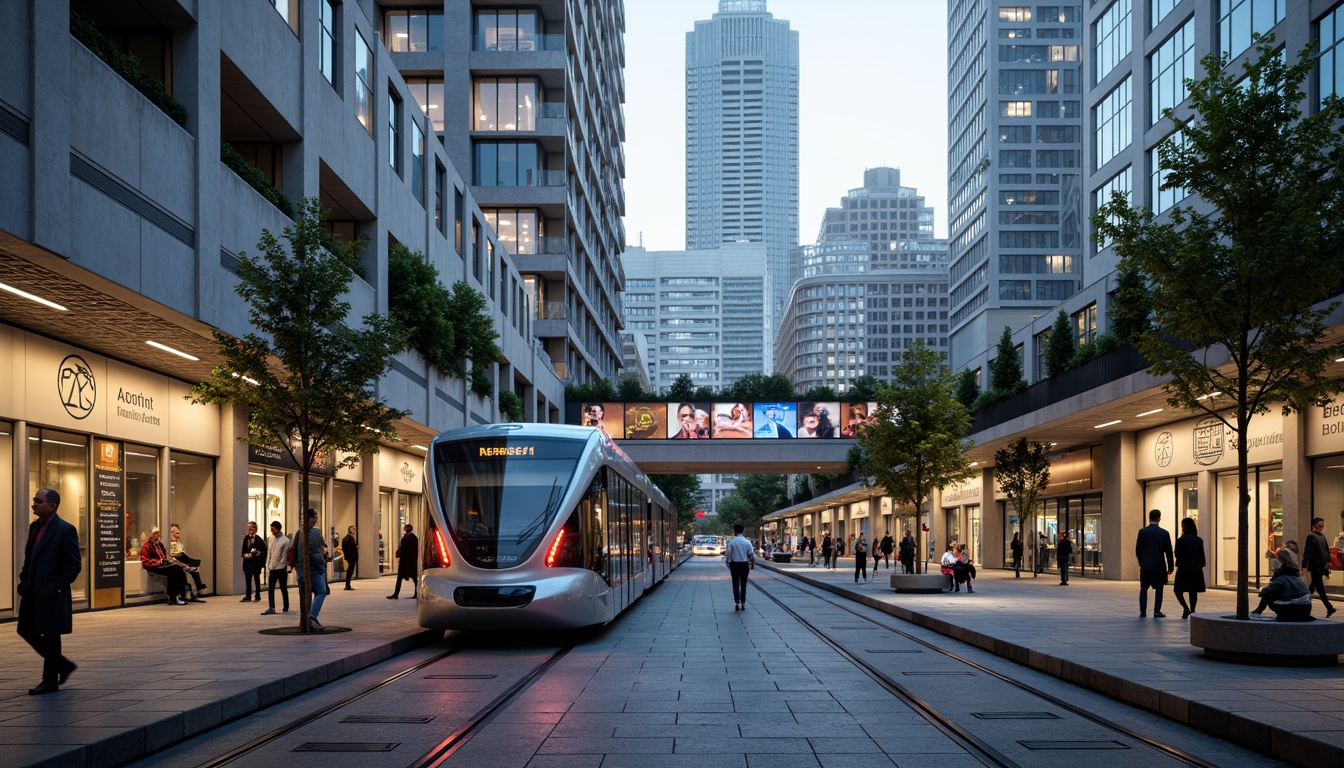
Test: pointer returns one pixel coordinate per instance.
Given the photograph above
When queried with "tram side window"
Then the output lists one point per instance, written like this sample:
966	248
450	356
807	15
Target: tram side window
594	510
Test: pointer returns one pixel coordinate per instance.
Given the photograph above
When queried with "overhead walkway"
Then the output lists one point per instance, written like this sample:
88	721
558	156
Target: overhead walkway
705	457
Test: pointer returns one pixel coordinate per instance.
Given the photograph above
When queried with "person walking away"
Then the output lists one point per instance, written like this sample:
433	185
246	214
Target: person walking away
51	562
908	552
811	550
1156	562
860	558
887	546
254	558
1042	548
277	567
1189	567
408	562
740	561
350	553
1016	548
826	551
965	569
1286	594
1316	561
1064	556
316	572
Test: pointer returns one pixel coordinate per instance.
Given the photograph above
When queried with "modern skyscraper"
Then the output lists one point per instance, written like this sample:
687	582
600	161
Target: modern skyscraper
1014	165
742	135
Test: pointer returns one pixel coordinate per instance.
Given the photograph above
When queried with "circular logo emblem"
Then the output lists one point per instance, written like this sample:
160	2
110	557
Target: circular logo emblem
1162	452
78	390
1208	436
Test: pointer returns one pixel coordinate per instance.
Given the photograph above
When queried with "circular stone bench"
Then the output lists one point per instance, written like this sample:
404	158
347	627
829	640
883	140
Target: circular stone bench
782	557
921	582
1271	643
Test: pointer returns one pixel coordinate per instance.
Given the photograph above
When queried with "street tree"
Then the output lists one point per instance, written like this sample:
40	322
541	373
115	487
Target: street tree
305	377
762	495
682	389
1022	470
968	388
917	442
1005	371
1059	347
684	493
1242	274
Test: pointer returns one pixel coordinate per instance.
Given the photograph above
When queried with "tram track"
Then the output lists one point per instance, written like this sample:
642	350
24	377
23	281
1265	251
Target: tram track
974	745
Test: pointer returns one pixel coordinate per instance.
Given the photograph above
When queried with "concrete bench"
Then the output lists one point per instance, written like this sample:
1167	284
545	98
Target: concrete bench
782	557
151	583
921	582
1271	643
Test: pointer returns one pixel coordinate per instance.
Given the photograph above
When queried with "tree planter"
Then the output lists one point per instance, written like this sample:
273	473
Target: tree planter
921	582
1315	643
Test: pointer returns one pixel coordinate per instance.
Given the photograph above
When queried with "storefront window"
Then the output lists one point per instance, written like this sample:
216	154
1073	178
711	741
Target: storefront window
1012	523
191	502
1327	500
1089	541
973	519
386	523
1266	526
141	509
266	492
60	461
7	565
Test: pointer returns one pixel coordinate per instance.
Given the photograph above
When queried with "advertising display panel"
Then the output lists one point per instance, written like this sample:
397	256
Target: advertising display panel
688	421
775	420
644	421
855	415
607	417
732	421
818	420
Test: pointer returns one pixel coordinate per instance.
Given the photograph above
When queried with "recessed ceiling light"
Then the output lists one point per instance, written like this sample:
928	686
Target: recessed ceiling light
31	297
248	379
1206	397
172	351
421	447
1107	424
1150	413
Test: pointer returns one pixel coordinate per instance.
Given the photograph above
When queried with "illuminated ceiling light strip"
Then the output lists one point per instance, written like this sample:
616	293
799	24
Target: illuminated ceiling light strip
31	297
421	447
1206	397
1150	413
1107	424
172	351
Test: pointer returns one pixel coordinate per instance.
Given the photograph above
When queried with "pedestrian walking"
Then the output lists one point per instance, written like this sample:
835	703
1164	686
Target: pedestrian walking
1064	556
277	567
408	562
1042	550
887	546
254	559
740	560
1156	562
315	573
860	550
350	553
51	562
827	549
811	550
1316	561
1016	548
908	552
1189	567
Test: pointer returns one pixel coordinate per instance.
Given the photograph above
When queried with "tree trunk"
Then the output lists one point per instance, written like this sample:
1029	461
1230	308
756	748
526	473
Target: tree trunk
303	574
1243	515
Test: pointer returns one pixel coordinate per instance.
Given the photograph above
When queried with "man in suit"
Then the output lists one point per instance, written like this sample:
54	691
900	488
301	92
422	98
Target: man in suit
1156	562
408	562
350	553
1316	561
50	564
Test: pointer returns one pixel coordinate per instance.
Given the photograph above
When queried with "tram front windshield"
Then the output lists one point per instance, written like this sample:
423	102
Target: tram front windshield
499	496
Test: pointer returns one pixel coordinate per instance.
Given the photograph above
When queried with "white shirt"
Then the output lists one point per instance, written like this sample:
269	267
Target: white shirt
739	550
277	550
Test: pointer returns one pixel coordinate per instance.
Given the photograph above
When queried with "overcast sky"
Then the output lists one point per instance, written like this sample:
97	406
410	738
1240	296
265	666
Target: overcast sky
873	93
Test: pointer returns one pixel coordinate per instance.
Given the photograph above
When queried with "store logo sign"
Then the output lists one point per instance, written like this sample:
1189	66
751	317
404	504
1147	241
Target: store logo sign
1162	452
1208	435
407	473
76	386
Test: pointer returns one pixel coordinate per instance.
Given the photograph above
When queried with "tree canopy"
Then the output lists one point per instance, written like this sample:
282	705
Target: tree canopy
1022	470
1005	371
1242	274
684	492
1059	346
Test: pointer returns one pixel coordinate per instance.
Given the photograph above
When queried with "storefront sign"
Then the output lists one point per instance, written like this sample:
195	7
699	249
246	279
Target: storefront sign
401	471
1071	472
1325	429
1204	443
109	529
959	493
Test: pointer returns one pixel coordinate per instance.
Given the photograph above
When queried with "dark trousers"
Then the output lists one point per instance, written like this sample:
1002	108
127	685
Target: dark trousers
177	579
1064	577
252	584
47	646
1158	581
908	563
739	573
278	577
396	591
860	567
350	572
1017	565
1318	586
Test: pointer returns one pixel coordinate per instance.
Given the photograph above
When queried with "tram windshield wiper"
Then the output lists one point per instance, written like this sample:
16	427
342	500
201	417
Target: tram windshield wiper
545	515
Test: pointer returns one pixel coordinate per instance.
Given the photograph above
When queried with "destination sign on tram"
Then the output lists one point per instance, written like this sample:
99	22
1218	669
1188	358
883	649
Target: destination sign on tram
490	451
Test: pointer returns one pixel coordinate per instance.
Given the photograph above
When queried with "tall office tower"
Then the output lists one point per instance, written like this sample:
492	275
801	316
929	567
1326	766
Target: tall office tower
881	212
1014	165
742	135
530	99
701	312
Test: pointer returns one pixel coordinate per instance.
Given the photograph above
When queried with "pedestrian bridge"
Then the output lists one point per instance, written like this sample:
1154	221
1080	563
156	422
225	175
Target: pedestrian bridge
745	457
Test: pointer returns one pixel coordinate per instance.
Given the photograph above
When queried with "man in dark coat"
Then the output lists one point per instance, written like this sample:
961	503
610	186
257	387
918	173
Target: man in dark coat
408	562
350	553
1156	562
50	564
907	552
1316	561
1064	556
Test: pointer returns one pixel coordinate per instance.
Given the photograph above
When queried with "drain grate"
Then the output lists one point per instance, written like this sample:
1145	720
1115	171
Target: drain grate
1016	715
386	719
894	650
1073	745
348	746
460	677
854	626
921	673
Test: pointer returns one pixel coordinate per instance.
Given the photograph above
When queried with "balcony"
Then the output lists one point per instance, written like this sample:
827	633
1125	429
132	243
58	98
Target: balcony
501	43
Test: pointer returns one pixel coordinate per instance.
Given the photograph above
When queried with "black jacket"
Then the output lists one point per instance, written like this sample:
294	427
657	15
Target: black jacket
1153	548
48	570
350	549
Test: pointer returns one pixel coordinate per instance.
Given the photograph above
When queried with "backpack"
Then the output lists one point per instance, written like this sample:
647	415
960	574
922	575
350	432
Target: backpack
289	556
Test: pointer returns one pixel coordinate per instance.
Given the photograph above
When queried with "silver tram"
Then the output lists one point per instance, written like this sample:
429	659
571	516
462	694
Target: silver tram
538	526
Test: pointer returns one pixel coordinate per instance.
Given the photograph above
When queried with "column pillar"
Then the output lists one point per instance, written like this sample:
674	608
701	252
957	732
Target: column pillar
1122	513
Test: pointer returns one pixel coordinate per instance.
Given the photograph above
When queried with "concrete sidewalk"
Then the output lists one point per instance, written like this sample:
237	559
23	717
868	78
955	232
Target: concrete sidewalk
155	674
1090	634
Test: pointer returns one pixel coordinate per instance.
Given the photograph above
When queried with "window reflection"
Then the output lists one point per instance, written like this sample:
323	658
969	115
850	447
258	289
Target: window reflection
507	104
428	93
506	30
413	29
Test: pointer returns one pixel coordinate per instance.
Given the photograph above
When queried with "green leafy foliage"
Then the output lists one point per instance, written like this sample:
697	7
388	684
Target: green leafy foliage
682	389
1022	470
820	394
254	178
757	386
863	389
1005	371
1245	277
1059	348
510	405
968	389
128	66
684	493
1128	312
600	391
630	390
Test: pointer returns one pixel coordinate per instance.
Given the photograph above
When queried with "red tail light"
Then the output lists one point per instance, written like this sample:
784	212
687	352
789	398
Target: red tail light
441	549
555	548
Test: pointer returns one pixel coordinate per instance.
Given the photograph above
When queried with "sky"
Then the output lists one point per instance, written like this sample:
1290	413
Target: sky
873	92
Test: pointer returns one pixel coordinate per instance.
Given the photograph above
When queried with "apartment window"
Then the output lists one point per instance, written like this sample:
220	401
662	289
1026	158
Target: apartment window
507	104
1058	134
1085	325
1121	183
394	133
1164	198
459	206
418	161
428	93
1015	109
1016	13
490	267
1014	290
1113	35
1057	158
505	164
518	229
507	30
327	20
1171	65
1062	14
476	249
364	83
1161	8
289	11
1239	19
1330	63
1064	109
1054	290
1113	123
413	29
440	188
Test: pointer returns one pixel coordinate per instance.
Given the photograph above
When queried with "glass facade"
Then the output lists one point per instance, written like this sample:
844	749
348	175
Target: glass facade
507	103
413	29
1120	182
327	20
428	93
8	568
505	164
1113	34
1239	19
507	30
1114	127
363	83
1266	525
1171	65
60	461
1162	199
1330	64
